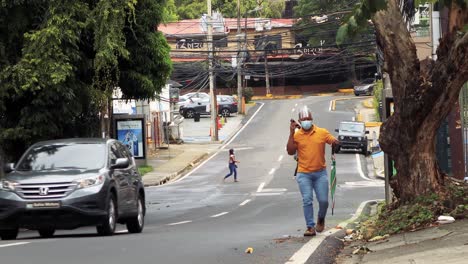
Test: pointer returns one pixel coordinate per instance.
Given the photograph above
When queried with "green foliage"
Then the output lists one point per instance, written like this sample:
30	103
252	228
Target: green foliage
377	97
60	60
144	169
248	93
193	9
358	20
418	214
170	12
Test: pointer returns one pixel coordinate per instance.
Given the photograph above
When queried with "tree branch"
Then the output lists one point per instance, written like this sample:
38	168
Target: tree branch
397	44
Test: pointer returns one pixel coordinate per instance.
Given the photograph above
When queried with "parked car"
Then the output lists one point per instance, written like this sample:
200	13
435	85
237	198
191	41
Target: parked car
366	87
352	135
192	97
69	183
227	105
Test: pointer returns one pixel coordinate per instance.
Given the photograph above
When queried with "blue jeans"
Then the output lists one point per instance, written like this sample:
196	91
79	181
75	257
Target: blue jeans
232	169
309	182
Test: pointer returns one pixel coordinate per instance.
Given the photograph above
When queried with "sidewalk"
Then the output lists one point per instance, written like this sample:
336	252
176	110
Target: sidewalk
442	244
173	162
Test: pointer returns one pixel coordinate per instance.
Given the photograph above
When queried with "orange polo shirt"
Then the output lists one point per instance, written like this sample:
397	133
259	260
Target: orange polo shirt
311	148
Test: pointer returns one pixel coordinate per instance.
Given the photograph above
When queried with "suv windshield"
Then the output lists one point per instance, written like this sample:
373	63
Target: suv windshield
352	127
63	156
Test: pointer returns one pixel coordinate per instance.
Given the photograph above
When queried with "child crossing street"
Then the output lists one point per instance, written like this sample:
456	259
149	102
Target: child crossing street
232	166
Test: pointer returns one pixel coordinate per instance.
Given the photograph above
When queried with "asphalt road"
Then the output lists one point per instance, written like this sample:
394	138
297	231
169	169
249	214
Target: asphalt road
200	219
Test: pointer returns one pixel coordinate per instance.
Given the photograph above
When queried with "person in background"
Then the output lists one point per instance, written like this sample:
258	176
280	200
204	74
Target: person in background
309	144
232	166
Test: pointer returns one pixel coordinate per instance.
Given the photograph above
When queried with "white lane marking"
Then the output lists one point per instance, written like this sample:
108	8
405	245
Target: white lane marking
365	184
14	244
245	202
295	105
361	173
121	231
274	190
216	153
266	194
293	110
303	254
272	171
260	188
280	158
180	223
330	107
243	127
221	214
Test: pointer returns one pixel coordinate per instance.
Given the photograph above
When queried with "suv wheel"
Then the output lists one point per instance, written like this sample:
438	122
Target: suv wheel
225	112
364	151
108	223
190	113
136	223
9	234
46	232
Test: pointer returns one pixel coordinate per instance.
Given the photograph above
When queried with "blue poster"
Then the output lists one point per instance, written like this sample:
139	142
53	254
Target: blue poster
130	133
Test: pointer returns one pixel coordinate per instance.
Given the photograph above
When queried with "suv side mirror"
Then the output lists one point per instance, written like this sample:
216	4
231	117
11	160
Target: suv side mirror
367	131
121	163
9	167
337	130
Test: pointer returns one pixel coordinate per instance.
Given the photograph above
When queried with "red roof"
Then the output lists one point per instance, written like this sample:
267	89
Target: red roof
192	26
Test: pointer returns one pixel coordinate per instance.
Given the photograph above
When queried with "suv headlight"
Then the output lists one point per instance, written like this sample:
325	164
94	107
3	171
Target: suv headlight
89	182
341	137
7	185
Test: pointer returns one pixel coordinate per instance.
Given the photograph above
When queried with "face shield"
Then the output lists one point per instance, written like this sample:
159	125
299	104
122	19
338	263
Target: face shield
305	112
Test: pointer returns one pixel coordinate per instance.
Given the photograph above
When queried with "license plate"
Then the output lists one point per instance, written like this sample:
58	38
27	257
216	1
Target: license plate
43	205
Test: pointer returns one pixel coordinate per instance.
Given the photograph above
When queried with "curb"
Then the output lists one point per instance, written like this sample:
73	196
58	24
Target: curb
364	208
368	104
326	250
373	124
276	97
177	174
346	90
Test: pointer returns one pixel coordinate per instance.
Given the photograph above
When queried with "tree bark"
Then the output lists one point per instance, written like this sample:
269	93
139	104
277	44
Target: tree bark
423	94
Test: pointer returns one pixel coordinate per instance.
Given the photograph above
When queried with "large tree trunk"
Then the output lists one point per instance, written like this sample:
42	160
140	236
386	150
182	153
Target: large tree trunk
423	94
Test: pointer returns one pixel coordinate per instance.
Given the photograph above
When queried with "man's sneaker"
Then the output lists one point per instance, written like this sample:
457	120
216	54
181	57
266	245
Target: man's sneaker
320	225
310	232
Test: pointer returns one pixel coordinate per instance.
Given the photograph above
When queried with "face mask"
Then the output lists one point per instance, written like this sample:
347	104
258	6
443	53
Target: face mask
306	124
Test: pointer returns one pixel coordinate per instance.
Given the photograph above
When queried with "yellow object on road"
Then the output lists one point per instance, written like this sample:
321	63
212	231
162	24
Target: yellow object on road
249	250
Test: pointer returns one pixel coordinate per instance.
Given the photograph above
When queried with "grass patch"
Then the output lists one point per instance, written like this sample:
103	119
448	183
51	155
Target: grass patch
144	169
419	214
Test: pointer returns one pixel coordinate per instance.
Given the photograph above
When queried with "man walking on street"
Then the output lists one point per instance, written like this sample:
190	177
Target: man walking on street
309	142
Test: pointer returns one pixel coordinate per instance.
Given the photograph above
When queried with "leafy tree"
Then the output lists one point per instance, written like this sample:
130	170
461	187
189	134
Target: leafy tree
424	92
318	24
61	60
193	9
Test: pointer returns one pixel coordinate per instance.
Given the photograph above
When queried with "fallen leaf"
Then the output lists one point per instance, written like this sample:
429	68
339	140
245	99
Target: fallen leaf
249	250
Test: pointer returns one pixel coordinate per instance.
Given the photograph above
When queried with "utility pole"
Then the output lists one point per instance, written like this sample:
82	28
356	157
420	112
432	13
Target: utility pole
267	75
213	103
239	74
